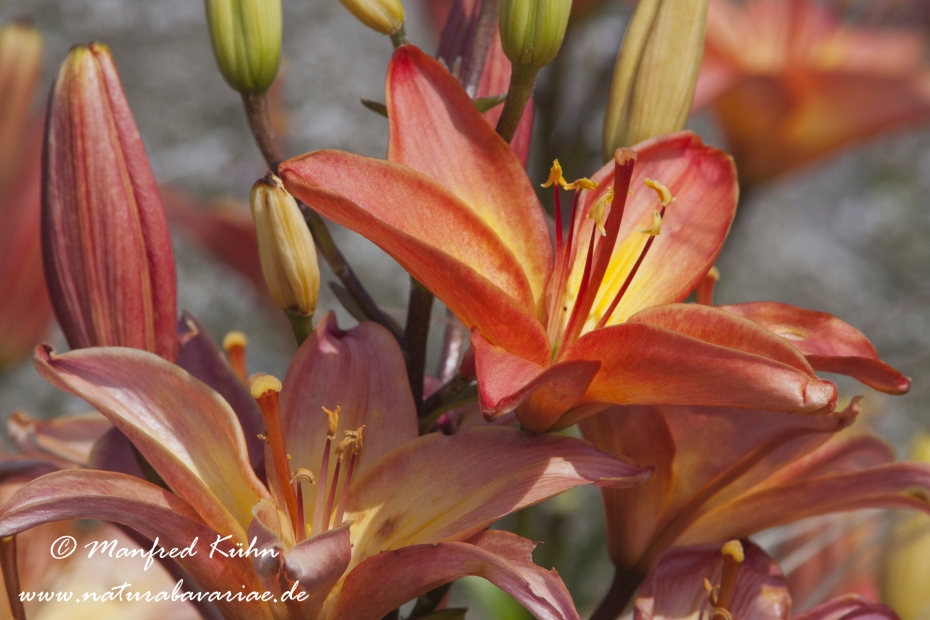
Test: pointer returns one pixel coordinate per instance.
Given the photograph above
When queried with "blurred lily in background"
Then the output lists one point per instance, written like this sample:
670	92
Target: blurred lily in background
402	514
25	311
791	83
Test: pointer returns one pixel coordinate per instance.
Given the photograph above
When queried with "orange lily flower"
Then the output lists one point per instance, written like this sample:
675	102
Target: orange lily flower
791	83
723	473
392	515
559	338
736	581
25	310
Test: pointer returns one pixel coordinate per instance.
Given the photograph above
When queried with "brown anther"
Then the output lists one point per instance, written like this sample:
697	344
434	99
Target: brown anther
302	473
333	421
262	437
353	440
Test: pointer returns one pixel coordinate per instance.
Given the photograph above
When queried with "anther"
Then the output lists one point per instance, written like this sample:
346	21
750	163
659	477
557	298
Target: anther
262	437
234	344
333	421
665	196
580	184
656	226
555	175
357	443
302	474
321	515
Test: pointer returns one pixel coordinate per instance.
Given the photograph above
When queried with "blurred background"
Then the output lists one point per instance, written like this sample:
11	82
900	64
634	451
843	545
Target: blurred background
848	235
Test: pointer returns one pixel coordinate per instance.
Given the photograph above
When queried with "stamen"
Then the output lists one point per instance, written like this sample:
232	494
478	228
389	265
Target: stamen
597	211
656	227
301	474
234	344
356	443
333	487
580	184
665	196
705	290
262	437
265	389
318	516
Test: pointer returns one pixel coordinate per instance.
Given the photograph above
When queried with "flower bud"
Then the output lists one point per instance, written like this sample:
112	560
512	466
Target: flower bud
285	247
532	30
20	65
656	72
105	240
907	563
384	16
246	37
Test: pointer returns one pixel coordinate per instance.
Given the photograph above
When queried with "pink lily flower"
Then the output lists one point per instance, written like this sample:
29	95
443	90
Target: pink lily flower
391	518
737	581
559	335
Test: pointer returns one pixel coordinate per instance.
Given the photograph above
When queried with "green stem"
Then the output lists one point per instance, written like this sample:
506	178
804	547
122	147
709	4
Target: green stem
302	324
400	37
522	79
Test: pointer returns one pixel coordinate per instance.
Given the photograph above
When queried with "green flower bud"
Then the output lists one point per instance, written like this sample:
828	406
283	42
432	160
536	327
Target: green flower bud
384	16
246	37
532	30
656	72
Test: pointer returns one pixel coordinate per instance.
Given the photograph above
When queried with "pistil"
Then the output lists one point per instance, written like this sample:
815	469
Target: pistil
234	344
721	597
265	390
318	513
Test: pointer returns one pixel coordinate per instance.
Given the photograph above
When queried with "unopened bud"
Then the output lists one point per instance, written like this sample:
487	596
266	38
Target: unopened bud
384	16
532	30
20	65
106	246
246	38
285	247
656	72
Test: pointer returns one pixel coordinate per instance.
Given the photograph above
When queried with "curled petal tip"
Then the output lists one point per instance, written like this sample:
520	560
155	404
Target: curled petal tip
820	396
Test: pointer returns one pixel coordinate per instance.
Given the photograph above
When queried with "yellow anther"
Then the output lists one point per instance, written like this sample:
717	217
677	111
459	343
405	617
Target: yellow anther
303	474
353	440
597	211
555	175
264	383
262	437
333	421
734	549
656	227
582	183
234	339
665	196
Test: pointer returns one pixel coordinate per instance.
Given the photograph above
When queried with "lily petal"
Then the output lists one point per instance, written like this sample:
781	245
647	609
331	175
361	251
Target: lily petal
703	181
829	344
199	355
152	511
648	364
438	488
183	428
437	130
318	563
674	588
70	438
895	485
432	234
362	372
508	381
387	581
704	457
847	608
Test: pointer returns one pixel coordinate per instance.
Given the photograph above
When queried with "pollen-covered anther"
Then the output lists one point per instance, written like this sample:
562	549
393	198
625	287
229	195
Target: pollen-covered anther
333	421
665	196
302	473
656	226
353	441
580	184
234	343
555	175
597	212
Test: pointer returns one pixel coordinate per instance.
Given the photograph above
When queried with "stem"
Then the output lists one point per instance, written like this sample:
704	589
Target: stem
449	390
618	597
522	79
302	324
473	63
428	603
256	112
400	37
465	396
416	335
